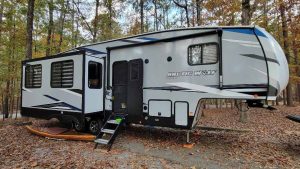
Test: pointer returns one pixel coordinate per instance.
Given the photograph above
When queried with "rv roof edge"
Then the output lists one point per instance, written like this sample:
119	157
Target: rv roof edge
172	30
167	39
54	56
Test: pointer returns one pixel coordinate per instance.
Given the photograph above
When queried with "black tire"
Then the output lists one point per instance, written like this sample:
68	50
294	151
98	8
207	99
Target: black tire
95	126
79	125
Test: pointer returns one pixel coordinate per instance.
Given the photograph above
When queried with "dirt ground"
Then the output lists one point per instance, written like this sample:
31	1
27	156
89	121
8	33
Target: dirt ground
267	140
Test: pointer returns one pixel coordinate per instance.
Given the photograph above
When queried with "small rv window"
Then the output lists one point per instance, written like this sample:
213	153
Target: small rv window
95	74
62	74
203	54
33	76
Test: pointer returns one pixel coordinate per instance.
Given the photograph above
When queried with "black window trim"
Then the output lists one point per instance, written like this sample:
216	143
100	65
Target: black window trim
201	44
101	78
72	74
26	85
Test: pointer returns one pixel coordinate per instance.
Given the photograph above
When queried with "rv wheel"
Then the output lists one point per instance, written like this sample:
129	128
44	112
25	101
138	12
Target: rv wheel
79	125
95	126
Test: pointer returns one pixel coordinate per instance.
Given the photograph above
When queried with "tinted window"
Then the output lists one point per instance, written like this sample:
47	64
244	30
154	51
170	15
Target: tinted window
120	73
95	74
203	54
33	76
62	74
134	71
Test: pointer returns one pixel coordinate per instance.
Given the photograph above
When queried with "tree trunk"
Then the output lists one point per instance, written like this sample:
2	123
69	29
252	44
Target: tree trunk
12	69
142	15
181	19
193	16
110	10
1	18
199	11
146	25
284	97
166	16
296	60
265	10
277	102
286	48
155	15
2	104
187	14
73	23
95	29
12	101
36	36
76	33
50	28
6	100
30	15
245	12
17	107
62	23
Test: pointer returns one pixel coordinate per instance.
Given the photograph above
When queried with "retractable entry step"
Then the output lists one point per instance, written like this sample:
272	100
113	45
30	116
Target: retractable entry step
109	130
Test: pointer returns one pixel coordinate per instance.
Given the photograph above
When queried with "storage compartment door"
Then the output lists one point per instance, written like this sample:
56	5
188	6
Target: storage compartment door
181	113
160	108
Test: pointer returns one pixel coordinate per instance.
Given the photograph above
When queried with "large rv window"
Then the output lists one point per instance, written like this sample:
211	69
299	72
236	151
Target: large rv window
95	74
33	76
62	74
203	54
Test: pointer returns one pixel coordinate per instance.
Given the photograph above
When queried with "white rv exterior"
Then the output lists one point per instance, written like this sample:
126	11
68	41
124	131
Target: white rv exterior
158	78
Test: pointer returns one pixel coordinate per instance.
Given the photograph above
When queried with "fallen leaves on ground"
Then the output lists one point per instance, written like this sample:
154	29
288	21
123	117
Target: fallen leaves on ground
272	141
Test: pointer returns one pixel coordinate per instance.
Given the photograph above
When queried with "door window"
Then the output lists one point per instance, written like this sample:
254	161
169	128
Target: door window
134	71
94	75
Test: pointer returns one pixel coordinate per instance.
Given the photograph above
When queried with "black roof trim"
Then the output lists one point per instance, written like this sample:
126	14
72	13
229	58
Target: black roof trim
171	30
92	51
54	56
167	39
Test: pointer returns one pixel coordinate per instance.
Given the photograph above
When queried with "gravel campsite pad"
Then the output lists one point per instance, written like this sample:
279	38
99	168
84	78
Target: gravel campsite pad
267	140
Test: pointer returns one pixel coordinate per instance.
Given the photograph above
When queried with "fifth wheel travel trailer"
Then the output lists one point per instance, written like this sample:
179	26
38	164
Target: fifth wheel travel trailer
155	79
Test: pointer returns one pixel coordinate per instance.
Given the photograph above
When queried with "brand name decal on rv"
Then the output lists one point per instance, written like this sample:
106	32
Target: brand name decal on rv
192	73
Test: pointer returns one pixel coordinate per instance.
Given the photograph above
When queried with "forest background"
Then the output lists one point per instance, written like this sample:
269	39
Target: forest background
39	28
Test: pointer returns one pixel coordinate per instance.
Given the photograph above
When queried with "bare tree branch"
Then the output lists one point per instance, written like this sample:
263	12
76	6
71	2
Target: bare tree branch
180	5
83	18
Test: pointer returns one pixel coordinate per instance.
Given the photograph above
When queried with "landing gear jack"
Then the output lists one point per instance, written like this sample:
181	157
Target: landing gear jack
188	137
243	108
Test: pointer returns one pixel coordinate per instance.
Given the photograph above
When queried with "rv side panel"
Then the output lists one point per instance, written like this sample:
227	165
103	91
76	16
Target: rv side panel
167	69
244	63
57	88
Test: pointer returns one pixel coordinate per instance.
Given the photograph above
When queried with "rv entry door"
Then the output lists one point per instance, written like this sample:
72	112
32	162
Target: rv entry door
93	85
135	90
128	88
